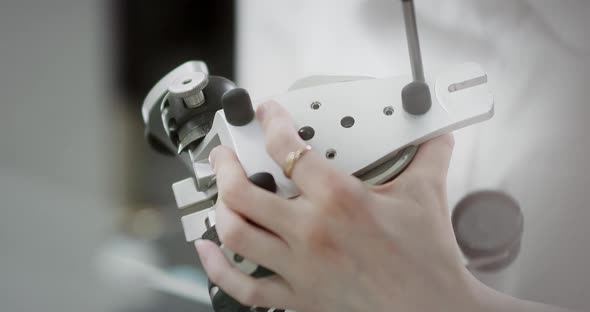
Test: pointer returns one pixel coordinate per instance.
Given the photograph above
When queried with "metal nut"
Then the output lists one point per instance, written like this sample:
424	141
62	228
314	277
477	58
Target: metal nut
190	87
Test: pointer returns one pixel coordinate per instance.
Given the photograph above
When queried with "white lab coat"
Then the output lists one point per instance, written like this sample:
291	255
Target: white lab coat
536	148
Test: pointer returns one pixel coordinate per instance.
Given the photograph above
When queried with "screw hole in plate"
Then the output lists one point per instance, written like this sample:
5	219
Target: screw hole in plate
347	122
388	111
331	153
238	258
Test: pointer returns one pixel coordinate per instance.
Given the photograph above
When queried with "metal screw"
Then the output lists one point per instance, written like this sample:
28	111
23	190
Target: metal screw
331	153
190	87
388	111
316	105
238	258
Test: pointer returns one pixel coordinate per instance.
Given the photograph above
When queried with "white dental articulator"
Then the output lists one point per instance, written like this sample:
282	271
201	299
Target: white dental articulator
188	113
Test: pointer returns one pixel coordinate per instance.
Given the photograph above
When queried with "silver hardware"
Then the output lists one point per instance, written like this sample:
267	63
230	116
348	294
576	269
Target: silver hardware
190	87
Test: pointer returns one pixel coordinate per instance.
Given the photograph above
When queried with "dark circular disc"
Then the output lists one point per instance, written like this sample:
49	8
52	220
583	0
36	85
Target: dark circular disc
488	224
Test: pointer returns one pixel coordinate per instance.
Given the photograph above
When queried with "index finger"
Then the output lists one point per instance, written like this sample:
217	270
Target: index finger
311	173
239	194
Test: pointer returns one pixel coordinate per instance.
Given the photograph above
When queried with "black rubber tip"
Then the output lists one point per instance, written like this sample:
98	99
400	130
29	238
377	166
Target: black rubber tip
264	180
237	107
416	98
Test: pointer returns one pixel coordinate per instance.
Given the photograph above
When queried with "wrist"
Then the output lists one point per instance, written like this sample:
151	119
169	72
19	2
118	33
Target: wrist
472	295
482	298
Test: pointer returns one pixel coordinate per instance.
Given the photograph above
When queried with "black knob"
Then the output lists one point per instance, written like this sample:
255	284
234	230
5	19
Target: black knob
416	98
237	107
306	133
264	180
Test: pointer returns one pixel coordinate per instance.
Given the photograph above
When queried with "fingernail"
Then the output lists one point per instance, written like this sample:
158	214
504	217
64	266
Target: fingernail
261	111
212	159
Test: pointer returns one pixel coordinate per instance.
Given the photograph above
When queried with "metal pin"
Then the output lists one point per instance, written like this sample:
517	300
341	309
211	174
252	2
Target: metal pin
416	98
413	42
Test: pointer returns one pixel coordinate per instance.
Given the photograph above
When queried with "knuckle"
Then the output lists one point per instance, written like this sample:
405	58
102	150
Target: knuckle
232	235
317	236
235	193
266	110
343	193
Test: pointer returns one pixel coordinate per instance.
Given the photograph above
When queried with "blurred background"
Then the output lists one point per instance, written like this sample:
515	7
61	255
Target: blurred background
87	209
87	216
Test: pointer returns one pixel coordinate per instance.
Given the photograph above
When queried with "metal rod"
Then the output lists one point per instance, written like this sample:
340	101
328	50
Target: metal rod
413	43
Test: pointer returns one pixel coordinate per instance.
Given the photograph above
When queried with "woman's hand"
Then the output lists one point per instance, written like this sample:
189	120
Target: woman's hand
341	245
